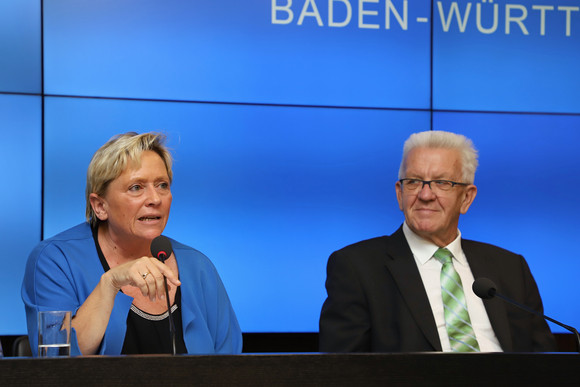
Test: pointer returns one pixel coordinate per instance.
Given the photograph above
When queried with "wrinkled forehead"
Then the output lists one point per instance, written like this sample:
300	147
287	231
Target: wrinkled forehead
433	162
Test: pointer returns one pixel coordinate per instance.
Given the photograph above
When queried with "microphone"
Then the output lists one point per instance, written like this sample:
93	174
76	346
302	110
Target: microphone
161	249
485	288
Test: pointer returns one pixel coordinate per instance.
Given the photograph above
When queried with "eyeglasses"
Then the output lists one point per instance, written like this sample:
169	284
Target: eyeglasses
412	185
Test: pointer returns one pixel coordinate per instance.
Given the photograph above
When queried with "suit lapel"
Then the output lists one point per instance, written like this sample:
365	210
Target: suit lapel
494	307
401	264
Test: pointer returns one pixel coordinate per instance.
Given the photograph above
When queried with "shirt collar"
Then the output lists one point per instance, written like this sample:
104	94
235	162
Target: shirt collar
423	250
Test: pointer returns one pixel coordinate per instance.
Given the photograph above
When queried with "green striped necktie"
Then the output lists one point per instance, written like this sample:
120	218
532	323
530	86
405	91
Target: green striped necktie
459	329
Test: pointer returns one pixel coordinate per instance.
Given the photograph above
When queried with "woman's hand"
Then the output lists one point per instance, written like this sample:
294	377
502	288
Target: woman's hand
91	319
145	273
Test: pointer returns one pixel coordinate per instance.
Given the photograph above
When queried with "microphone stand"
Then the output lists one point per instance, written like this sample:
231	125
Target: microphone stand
567	327
161	249
171	323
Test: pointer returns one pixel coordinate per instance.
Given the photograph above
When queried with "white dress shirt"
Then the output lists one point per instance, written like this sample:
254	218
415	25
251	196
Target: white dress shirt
430	270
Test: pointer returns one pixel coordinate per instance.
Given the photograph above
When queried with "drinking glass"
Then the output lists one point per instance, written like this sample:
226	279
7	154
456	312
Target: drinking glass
54	333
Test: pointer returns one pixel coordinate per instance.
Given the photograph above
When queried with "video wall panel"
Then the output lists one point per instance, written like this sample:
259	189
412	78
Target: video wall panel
20	53
237	51
505	56
20	225
526	182
266	192
287	120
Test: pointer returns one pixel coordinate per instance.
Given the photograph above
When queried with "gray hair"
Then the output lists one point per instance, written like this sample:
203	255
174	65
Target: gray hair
446	140
112	158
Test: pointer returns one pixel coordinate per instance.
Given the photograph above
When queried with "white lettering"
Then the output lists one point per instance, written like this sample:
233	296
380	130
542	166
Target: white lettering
313	13
493	27
543	9
517	19
343	23
391	8
454	9
284	8
454	15
568	11
362	12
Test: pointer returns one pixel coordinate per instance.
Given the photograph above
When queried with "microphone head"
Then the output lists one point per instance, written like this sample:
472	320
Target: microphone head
484	288
161	248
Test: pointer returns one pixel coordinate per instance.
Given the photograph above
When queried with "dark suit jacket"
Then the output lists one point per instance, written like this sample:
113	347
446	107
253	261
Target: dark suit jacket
377	302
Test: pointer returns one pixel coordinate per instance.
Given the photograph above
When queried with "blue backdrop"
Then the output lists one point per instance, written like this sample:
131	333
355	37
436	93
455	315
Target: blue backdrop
287	120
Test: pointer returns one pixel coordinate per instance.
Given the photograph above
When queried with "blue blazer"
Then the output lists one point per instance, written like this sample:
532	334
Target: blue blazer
62	271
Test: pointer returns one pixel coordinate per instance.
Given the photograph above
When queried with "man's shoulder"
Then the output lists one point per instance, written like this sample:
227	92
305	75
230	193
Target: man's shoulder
380	244
367	244
483	247
370	254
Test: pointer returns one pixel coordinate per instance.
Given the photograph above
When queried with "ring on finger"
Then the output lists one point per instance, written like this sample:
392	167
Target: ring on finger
144	275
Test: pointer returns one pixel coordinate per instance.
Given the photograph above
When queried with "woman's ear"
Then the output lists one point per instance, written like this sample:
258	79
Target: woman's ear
99	206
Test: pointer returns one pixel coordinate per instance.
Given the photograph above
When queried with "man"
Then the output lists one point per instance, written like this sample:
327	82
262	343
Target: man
411	291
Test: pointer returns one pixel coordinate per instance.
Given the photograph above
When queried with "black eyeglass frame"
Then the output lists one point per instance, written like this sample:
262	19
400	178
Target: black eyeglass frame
428	182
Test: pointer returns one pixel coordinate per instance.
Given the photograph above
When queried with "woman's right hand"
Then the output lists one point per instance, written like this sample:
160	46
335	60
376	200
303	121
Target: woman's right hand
146	274
91	319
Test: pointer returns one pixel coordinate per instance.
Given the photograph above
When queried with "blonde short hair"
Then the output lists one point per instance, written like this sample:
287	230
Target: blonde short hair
110	160
447	140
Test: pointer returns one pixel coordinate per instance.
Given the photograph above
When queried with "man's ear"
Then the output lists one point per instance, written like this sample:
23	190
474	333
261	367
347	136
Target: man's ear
399	190
468	197
99	206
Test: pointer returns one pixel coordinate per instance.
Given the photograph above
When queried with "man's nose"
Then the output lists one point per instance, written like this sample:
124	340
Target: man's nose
426	193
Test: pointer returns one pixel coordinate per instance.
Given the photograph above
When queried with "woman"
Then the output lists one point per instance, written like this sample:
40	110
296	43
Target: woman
103	271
